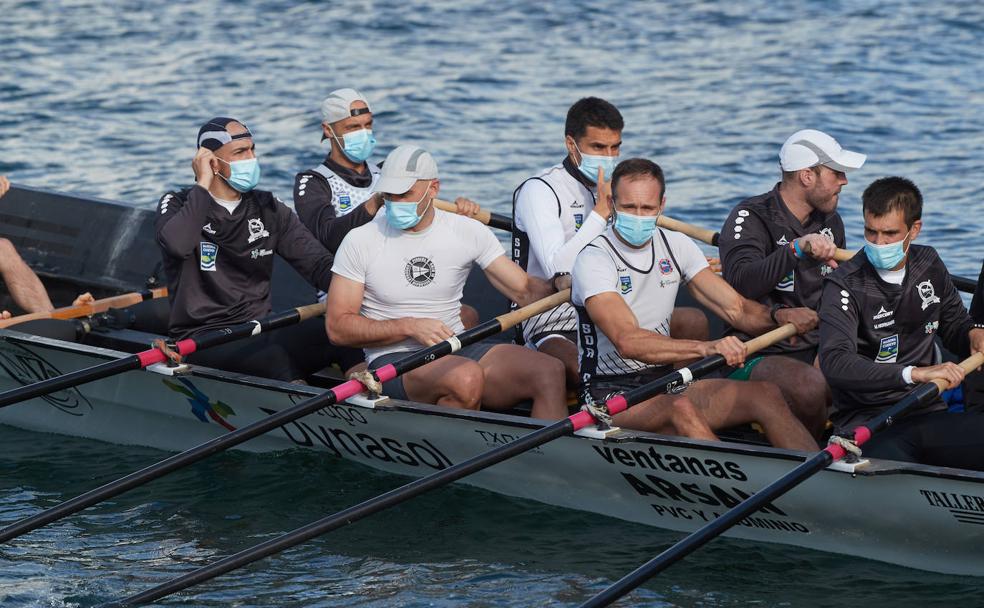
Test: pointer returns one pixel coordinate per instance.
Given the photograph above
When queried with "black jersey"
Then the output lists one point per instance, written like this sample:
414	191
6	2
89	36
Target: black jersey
757	261
219	264
315	201
977	304
870	330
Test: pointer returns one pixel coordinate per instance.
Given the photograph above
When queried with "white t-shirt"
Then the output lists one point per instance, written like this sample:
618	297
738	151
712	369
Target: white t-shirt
647	279
415	274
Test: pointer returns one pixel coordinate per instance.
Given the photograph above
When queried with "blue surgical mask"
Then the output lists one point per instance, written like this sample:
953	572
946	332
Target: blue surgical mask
403	216
590	163
358	145
243	174
635	229
886	257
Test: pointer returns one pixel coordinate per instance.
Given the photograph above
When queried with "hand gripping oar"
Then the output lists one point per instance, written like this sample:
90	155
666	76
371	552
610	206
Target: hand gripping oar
567	426
156	355
84	310
308	406
920	395
495	220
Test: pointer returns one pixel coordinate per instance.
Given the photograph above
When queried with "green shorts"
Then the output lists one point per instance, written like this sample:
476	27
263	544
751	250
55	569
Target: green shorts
743	373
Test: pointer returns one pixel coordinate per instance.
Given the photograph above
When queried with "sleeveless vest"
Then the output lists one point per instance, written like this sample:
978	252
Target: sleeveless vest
344	196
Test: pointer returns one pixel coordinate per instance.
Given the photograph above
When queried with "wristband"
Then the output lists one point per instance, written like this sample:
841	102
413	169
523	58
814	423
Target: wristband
907	374
795	246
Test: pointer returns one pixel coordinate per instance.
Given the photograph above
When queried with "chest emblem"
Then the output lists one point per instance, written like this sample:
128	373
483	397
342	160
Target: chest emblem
665	266
578	220
827	232
208	253
256	230
888	349
207	228
928	294
344	202
625	283
420	271
787	283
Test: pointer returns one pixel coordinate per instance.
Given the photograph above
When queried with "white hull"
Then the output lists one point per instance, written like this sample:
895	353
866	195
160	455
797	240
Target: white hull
923	517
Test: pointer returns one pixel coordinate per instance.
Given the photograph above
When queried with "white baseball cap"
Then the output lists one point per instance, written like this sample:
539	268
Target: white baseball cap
403	167
338	105
809	148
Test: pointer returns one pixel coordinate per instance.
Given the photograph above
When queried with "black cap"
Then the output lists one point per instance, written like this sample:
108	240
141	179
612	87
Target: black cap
213	134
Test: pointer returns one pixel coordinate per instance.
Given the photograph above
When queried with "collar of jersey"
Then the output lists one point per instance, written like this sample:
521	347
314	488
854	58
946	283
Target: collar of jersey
351	177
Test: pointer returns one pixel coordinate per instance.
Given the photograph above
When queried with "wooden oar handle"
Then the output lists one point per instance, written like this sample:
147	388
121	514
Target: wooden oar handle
519	315
310	311
694	232
483	216
85	310
969	364
769	338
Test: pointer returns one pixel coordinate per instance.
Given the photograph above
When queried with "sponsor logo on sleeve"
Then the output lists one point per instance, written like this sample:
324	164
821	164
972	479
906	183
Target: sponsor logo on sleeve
888	349
256	230
928	294
209	252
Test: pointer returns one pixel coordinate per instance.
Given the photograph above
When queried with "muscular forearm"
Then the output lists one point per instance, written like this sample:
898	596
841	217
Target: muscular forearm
753	318
657	349
358	331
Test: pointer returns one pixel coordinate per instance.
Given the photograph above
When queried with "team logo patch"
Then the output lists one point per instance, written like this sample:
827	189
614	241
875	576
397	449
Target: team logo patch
928	294
209	251
786	283
932	326
256	230
419	271
578	220
344	202
665	266
625	283
827	232
888	349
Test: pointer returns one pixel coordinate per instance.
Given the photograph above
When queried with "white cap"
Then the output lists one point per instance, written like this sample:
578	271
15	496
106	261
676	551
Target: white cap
403	167
809	148
338	105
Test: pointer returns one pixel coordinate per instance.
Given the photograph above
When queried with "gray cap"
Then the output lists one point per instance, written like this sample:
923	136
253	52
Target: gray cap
403	167
809	148
338	105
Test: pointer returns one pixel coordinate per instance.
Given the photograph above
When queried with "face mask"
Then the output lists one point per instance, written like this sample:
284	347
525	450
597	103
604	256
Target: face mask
243	174
358	145
591	162
885	257
403	216
635	229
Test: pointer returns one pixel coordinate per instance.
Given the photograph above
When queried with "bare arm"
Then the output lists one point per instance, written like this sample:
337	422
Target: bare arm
514	283
346	327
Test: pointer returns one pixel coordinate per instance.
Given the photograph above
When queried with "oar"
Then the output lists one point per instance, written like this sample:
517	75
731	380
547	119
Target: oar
85	310
154	355
495	220
567	426
308	406
920	395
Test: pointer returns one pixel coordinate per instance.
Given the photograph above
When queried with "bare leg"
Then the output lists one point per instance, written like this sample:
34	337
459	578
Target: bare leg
566	351
689	324
469	316
24	286
803	387
515	373
726	403
451	381
666	414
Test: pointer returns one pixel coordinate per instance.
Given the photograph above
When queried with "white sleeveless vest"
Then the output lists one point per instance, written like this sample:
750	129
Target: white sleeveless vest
344	196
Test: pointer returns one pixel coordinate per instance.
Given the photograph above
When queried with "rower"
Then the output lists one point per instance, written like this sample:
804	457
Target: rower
555	214
776	247
338	195
880	313
217	239
24	286
625	284
397	288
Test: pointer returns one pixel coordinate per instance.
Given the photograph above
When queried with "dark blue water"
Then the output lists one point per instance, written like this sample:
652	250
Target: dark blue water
105	99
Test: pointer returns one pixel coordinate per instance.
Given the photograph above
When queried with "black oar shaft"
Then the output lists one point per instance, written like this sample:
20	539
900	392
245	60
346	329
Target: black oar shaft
919	396
355	513
53	385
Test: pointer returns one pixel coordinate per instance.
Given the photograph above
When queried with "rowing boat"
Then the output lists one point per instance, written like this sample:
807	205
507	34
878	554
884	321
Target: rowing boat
919	516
